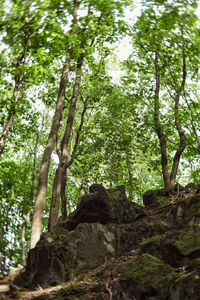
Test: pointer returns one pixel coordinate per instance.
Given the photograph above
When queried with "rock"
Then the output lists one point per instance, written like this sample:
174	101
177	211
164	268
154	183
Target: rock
175	247
51	263
104	206
155	197
93	207
122	210
145	277
144	253
186	286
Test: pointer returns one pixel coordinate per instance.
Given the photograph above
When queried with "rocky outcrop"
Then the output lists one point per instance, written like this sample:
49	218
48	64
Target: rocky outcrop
104	206
150	252
87	238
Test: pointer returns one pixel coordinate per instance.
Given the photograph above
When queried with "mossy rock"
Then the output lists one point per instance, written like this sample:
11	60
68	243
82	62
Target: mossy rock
194	265
186	286
175	247
188	242
145	269
146	275
195	206
153	198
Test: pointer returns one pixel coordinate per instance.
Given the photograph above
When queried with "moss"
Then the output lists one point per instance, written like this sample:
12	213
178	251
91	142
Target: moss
98	296
164	284
146	269
162	199
113	195
154	239
59	231
195	205
188	242
194	264
182	276
74	290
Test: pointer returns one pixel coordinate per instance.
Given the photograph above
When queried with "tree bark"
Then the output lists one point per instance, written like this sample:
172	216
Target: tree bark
182	136
159	130
169	180
6	129
36	229
16	98
61	170
27	218
130	175
64	177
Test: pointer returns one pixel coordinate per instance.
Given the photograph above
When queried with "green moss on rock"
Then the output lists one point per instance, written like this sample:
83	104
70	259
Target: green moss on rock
154	240
195	205
194	265
146	269
188	242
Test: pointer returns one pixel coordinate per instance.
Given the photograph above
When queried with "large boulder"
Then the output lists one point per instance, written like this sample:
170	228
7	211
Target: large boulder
104	206
59	259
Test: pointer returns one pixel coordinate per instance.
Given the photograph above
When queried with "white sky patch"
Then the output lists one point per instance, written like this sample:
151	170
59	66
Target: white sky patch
198	9
124	48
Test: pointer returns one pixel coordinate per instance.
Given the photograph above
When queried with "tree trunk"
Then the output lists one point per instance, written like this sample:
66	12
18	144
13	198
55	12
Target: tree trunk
161	136
11	115
44	169
61	170
5	131
27	218
182	136
130	175
36	228
64	201
16	98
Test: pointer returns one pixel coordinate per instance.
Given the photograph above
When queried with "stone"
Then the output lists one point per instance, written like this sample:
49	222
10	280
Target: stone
104	206
154	198
51	263
145	277
93	207
140	253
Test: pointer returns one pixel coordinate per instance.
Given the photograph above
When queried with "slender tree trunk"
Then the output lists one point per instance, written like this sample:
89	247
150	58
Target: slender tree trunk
112	169
73	153
5	131
159	130
36	228
16	98
44	169
64	202
64	161
27	218
11	115
182	136
61	170
130	175
169	180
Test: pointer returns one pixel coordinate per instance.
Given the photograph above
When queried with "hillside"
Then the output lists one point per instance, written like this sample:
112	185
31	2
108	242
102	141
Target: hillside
153	254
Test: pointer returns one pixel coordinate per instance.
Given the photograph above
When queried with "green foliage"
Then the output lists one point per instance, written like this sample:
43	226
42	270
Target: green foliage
118	144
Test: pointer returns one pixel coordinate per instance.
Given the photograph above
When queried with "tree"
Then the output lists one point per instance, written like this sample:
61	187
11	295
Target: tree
19	27
98	25
162	38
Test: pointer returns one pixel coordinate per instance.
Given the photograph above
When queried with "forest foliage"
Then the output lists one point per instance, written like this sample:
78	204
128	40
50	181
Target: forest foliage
67	123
